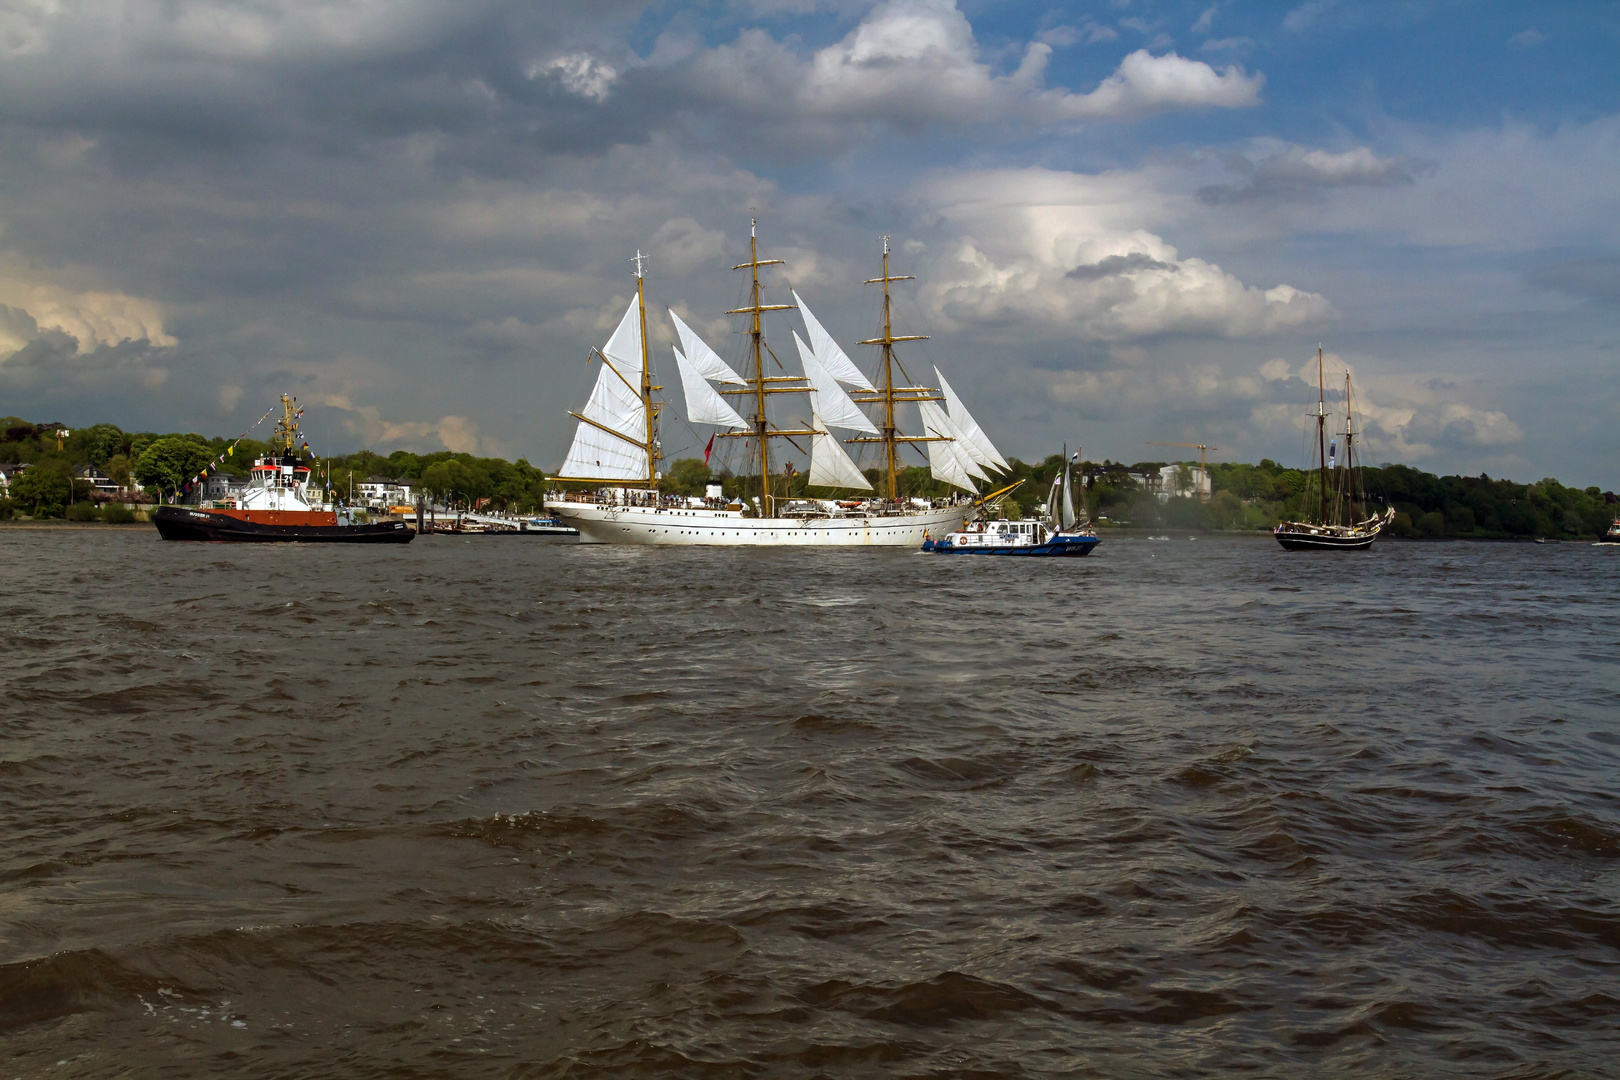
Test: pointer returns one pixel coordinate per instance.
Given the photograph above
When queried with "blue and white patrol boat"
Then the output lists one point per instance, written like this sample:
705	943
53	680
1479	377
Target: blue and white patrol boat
1060	534
1026	537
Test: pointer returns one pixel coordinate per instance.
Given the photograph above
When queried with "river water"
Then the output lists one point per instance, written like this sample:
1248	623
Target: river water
501	807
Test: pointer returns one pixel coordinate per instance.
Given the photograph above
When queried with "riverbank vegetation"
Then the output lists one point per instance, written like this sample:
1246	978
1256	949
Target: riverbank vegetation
1244	497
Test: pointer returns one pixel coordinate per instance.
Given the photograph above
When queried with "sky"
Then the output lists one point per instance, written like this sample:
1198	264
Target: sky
1128	220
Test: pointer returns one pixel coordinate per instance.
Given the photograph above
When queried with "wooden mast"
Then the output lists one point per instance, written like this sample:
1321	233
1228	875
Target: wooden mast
647	386
1321	434
887	396
1349	459
756	332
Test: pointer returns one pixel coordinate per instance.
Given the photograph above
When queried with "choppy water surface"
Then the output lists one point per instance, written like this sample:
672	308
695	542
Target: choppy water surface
495	807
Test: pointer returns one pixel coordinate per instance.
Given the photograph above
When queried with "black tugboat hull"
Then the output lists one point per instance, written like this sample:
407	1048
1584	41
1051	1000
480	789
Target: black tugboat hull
184	523
1324	542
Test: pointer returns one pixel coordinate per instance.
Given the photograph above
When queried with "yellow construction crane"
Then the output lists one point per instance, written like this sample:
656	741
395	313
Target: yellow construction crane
1203	471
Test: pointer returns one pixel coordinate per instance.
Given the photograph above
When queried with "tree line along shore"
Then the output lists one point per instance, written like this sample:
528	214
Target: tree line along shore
1243	497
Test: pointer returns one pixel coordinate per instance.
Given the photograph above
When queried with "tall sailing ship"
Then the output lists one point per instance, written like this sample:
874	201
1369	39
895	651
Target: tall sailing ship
1340	522
616	445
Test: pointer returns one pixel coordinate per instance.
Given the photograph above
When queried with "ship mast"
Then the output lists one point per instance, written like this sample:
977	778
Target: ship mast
647	386
761	429
891	394
1321	433
287	427
1349	458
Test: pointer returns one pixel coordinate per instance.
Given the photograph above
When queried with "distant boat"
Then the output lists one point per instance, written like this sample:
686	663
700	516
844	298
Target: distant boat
1060	534
1336	524
1610	538
276	507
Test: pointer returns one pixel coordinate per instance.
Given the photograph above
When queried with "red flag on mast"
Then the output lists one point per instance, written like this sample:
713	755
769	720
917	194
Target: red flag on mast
708	449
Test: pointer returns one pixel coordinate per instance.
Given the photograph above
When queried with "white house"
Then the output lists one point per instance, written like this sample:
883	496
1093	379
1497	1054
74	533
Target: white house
1170	482
379	493
98	480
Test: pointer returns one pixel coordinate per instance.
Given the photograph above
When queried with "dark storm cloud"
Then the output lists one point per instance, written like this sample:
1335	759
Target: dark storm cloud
1594	279
1302	173
1115	265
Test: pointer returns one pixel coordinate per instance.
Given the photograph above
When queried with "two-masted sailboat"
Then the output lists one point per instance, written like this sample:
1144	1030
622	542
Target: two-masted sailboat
1340	522
616	445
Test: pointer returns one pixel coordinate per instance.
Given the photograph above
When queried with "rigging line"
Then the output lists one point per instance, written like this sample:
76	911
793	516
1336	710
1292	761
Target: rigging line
772	351
901	365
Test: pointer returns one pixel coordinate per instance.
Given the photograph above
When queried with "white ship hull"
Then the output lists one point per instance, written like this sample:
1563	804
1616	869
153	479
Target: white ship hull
601	524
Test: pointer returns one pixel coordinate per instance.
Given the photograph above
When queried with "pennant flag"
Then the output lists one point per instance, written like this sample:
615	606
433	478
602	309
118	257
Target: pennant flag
707	450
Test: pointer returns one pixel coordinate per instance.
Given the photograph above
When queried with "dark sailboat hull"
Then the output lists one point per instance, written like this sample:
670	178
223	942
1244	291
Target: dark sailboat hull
1303	536
1304	540
184	523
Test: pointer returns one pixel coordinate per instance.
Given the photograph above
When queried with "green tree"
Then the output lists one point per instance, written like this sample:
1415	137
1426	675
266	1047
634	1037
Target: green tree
686	476
117	469
404	465
455	479
171	461
100	442
42	491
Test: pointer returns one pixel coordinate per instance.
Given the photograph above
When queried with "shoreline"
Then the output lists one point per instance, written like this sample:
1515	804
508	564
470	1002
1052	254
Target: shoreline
59	523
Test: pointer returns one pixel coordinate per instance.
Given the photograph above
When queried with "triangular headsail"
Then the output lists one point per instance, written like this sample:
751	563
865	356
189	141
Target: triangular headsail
624	347
835	407
611	441
827	351
943	460
1066	515
620	451
958	444
830	466
703	404
704	360
975	441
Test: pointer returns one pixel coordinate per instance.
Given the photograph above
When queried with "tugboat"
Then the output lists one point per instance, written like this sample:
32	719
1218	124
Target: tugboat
276	505
1335	526
1610	538
1029	536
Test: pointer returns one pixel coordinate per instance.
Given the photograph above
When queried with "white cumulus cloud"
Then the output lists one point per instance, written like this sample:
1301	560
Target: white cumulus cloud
912	62
1066	254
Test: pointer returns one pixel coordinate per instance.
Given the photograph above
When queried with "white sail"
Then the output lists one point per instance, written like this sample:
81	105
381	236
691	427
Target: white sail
958	444
1067	516
704	360
977	443
836	408
703	404
829	465
827	351
943	460
603	455
624	347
